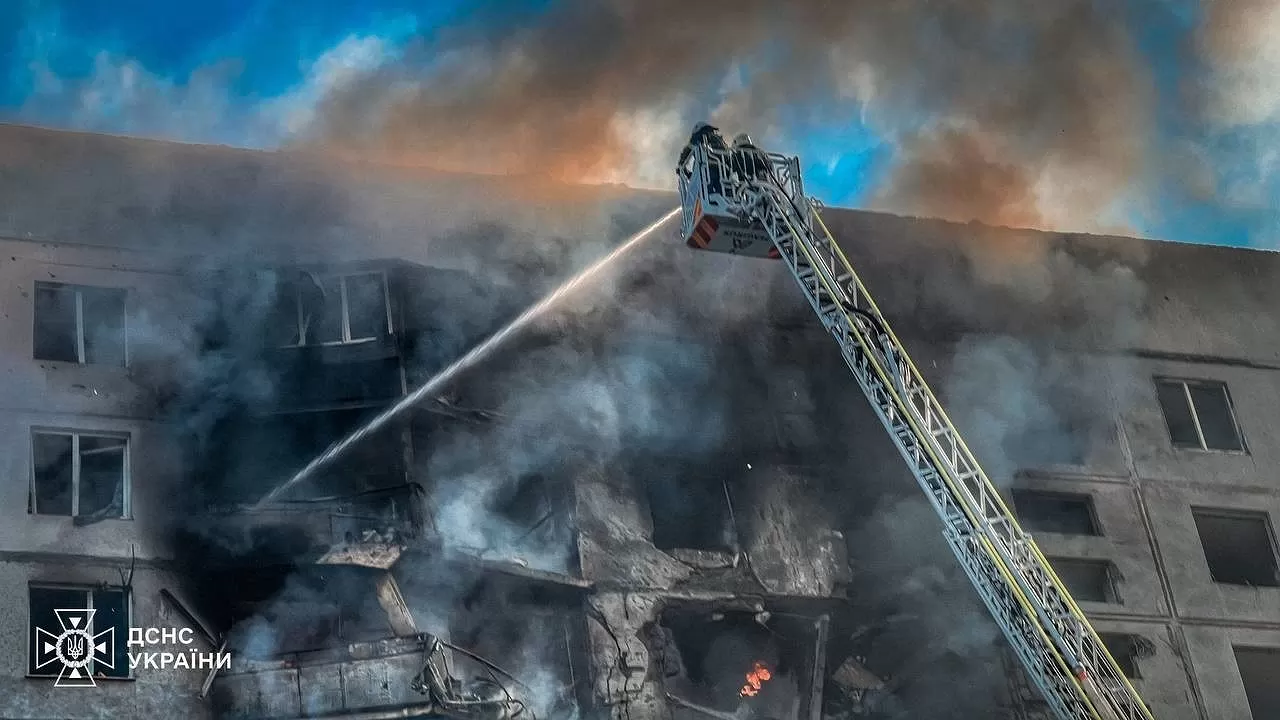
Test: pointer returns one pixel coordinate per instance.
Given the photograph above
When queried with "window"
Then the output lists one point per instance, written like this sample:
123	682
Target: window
528	504
1199	415
79	474
1051	512
1238	547
1087	580
79	324
688	503
110	607
1124	649
1050	440
332	310
798	437
1259	668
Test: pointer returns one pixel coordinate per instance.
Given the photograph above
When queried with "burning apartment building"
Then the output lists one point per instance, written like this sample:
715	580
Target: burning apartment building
663	499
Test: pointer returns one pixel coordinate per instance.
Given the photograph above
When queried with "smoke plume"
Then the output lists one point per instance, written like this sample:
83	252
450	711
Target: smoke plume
1009	113
1237	40
1005	112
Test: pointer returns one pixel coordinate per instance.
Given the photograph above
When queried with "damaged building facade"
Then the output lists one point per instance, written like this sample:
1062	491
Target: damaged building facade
665	500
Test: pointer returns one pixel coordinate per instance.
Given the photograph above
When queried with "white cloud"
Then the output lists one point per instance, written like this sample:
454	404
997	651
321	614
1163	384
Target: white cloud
120	95
652	136
295	112
1244	53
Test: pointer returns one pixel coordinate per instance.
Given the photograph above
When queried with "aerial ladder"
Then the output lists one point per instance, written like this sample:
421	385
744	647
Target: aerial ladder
745	201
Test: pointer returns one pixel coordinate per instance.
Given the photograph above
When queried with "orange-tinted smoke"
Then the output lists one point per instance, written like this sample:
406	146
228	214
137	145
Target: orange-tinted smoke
1049	90
1054	146
1237	41
1231	29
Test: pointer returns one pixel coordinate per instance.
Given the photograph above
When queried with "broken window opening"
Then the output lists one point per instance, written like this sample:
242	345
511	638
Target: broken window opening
1124	649
286	609
1199	415
798	436
529	504
1259	668
1238	547
79	475
529	629
690	512
1087	580
742	663
111	610
1056	512
537	518
1056	441
80	324
509	638
279	445
332	310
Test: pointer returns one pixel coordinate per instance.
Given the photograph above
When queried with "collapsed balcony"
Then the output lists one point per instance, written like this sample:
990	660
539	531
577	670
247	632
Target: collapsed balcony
415	677
499	646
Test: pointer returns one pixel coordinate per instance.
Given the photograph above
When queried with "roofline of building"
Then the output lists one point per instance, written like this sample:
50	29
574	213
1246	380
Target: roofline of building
424	173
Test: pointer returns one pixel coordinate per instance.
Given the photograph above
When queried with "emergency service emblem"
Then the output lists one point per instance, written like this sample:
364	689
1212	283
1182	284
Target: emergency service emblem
74	646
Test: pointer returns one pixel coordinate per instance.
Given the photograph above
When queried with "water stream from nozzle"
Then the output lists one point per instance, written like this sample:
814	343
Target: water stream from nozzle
473	356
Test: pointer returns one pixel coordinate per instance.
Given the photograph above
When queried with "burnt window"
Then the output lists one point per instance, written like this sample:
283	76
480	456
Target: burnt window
689	511
1051	441
58	608
1199	415
1259	670
1065	513
1237	546
335	309
1123	648
1087	580
79	324
528	504
798	436
81	475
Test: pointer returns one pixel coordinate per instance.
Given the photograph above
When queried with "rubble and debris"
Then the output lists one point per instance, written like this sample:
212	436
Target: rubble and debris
370	554
399	616
483	699
852	675
706	559
709	712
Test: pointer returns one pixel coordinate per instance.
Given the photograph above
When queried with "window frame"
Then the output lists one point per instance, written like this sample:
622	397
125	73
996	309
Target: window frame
88	591
1187	384
1249	647
1091	509
1127	638
126	510
78	290
1233	514
303	328
1111	588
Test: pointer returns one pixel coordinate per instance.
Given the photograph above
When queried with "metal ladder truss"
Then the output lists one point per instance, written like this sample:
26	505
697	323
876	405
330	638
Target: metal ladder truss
1050	634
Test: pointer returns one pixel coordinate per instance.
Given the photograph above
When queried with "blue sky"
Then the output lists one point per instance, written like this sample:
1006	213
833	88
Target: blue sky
245	72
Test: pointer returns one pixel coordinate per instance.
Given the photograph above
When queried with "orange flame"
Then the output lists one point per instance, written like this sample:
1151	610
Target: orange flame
755	679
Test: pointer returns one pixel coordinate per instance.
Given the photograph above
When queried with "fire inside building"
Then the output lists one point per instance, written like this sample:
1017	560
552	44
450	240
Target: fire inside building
667	498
